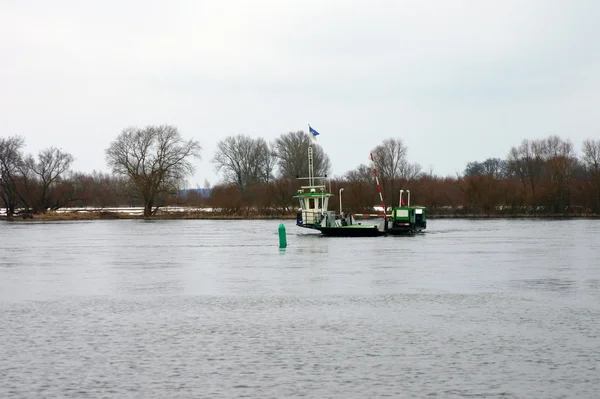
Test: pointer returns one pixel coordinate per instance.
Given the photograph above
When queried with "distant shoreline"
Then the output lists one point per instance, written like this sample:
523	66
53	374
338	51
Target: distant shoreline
195	215
74	216
524	216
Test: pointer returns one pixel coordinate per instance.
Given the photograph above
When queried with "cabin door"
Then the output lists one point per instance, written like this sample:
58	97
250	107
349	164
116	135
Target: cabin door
310	215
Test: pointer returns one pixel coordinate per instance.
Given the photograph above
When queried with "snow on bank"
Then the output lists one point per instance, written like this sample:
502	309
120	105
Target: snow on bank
127	210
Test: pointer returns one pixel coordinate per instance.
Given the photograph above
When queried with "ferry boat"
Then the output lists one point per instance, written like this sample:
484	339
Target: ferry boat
314	213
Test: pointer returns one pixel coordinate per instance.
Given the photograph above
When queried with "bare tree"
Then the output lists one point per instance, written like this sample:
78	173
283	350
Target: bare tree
591	155
496	168
156	159
244	161
493	167
474	169
292	155
362	173
410	172
10	158
11	161
393	167
560	164
591	159
41	178
526	162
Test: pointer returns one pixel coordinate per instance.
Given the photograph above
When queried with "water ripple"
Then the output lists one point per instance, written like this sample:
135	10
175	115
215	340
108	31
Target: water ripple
209	309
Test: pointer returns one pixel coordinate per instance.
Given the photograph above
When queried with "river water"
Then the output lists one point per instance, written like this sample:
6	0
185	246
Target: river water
214	309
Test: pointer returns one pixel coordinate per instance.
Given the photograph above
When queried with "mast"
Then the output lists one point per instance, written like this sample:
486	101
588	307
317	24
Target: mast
311	175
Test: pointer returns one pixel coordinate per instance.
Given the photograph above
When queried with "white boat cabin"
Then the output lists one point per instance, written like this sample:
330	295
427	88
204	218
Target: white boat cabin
313	203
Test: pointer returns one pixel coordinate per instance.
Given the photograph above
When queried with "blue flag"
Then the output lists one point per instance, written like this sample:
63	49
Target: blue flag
313	131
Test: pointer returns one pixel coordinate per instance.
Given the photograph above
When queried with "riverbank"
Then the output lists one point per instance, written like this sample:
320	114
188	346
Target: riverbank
69	215
74	216
517	216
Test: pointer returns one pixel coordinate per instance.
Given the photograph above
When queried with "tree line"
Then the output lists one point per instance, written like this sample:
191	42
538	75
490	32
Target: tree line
148	168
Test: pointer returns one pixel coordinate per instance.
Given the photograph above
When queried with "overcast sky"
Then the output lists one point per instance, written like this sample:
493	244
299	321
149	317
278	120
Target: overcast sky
458	81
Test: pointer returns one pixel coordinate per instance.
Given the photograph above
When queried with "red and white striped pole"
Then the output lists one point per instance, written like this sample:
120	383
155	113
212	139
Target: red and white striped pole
378	186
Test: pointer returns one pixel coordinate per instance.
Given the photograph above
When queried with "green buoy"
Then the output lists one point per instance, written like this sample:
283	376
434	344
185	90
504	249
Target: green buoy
282	238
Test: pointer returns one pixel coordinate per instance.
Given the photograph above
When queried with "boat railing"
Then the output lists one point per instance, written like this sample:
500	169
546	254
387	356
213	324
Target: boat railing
311	216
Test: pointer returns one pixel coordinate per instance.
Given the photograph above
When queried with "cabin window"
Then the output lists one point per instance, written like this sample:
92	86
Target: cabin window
302	203
320	203
311	203
401	213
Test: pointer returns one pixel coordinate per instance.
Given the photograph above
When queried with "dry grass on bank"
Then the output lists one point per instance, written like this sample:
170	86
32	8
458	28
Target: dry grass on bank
74	215
218	216
51	216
